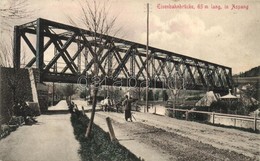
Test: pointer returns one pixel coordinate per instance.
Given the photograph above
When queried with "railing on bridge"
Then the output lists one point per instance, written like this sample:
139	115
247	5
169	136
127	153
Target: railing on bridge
65	53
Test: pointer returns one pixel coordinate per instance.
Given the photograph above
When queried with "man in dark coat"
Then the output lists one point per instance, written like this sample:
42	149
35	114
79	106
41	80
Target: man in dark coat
127	104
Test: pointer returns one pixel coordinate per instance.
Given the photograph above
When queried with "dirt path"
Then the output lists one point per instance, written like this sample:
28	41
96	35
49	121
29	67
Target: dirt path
184	140
51	139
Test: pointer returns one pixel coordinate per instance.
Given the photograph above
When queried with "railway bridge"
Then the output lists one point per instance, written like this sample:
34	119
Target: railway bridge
68	54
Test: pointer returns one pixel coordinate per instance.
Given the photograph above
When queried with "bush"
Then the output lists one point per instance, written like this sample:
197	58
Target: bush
150	95
219	106
165	96
157	95
194	98
83	94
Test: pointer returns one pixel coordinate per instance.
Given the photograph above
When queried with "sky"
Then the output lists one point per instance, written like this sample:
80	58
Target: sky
228	35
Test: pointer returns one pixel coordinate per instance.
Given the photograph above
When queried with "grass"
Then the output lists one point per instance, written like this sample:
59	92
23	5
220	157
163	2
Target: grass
10	126
98	147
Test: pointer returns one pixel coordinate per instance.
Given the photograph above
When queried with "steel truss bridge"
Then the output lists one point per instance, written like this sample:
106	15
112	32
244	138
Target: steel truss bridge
67	54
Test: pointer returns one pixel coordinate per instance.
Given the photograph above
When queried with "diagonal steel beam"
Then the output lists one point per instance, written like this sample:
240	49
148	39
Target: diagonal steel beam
219	77
94	55
32	61
122	61
191	74
201	75
27	41
162	66
60	54
155	71
139	67
73	58
228	78
209	76
100	50
158	68
66	53
144	63
116	73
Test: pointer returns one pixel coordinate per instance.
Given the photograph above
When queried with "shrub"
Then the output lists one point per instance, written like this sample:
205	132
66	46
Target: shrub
83	94
165	96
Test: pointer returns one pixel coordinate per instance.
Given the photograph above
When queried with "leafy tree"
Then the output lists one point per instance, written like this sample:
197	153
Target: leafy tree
248	92
150	95
165	95
83	94
157	95
116	94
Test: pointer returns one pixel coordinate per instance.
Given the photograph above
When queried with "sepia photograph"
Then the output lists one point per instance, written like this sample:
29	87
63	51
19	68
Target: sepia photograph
129	80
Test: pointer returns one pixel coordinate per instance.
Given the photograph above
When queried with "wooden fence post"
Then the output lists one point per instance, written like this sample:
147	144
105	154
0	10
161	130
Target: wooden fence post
255	122
111	130
83	111
213	118
187	115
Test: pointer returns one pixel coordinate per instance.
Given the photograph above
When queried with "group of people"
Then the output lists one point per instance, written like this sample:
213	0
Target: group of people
107	105
22	109
126	103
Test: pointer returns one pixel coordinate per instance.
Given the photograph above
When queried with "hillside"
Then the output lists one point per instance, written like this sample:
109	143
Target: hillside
254	72
252	77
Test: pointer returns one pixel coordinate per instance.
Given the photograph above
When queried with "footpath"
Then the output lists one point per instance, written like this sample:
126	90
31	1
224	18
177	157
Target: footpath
51	139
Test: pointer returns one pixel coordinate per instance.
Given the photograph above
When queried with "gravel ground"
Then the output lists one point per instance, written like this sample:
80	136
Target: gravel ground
184	140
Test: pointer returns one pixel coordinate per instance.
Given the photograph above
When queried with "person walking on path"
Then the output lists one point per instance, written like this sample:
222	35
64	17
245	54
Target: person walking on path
127	105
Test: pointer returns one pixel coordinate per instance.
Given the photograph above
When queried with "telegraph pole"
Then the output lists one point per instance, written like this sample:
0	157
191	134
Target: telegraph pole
55	71
147	56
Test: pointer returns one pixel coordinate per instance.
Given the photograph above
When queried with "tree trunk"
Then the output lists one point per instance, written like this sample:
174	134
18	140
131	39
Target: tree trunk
94	103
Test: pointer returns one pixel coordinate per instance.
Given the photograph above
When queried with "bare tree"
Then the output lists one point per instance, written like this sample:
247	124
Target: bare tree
10	12
5	54
95	17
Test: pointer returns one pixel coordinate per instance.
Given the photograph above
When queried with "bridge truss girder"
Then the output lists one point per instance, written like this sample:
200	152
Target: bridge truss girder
115	59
